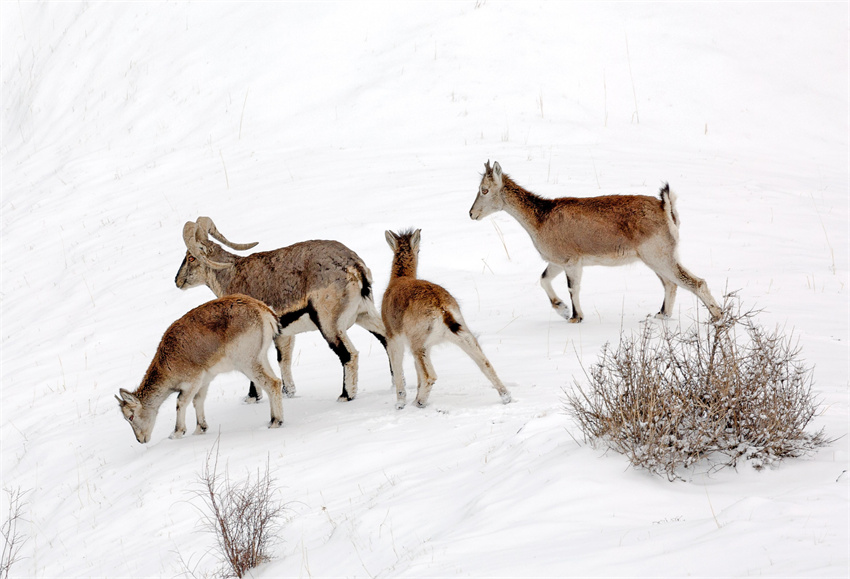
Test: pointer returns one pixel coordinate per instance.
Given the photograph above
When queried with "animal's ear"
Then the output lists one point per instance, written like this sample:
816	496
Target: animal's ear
392	239
497	173
414	240
127	397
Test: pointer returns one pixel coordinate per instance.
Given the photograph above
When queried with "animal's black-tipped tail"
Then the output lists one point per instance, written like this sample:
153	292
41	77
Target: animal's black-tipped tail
451	322
365	282
668	203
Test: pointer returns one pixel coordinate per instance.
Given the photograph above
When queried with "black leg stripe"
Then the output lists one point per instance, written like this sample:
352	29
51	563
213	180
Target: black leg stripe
381	339
292	317
340	350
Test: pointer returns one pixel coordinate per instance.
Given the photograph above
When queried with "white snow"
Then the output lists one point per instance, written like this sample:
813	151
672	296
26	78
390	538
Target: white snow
290	121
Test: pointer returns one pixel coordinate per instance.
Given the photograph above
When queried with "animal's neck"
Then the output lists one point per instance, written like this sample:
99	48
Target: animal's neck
404	265
155	386
523	205
218	280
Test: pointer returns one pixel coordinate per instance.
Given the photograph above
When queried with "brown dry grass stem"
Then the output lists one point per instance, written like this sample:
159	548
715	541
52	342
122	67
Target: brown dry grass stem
243	516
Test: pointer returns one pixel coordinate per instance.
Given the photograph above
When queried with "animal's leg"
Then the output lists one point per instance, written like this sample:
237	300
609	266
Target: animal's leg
667	266
183	398
284	345
698	286
347	354
261	373
426	376
254	395
395	351
198	403
348	357
669	298
369	319
467	342
550	273
325	317
574	283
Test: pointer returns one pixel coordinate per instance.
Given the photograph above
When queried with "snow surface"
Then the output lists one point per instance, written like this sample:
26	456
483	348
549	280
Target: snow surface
292	121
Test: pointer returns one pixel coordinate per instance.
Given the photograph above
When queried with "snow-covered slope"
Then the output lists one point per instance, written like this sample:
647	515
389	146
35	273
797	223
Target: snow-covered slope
292	121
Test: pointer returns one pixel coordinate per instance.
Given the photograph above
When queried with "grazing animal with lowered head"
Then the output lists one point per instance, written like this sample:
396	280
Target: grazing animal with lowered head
423	314
572	232
231	333
311	285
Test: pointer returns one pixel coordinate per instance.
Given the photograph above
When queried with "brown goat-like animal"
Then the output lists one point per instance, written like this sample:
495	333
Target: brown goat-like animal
312	285
423	314
572	232
231	333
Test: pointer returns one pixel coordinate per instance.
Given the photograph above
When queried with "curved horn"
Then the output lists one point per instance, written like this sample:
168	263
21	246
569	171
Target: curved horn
487	169
190	231
206	225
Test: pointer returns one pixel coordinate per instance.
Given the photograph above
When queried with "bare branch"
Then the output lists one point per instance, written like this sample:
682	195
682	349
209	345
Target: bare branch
718	392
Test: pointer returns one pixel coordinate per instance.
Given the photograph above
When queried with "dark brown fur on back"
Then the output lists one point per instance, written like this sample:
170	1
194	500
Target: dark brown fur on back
211	325
631	216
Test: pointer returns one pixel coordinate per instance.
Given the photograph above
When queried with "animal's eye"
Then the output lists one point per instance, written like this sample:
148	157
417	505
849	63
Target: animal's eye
132	416
191	259
485	191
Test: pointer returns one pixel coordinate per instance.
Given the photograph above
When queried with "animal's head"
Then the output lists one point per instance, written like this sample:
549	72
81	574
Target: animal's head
405	246
140	418
203	255
489	198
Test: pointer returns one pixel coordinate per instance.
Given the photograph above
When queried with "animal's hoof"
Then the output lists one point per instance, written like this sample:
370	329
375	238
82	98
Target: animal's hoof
661	316
275	423
399	405
506	397
574	320
344	398
562	311
200	429
252	399
289	392
421	404
177	434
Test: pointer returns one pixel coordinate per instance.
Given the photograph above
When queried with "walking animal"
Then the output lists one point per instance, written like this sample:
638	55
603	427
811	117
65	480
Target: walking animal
423	314
572	232
231	333
312	285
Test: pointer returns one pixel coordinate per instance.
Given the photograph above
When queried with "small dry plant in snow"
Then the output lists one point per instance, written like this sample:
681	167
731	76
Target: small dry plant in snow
718	391
13	540
243	516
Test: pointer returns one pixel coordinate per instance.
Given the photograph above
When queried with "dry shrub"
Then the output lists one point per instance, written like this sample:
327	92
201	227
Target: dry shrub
244	516
716	392
13	540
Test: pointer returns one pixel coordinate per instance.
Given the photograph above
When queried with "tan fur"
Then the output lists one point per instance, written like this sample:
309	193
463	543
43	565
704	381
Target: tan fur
312	285
423	314
570	233
231	333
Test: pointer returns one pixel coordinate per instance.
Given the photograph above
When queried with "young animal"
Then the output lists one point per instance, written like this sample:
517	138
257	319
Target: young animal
231	333
423	314
312	285
572	232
